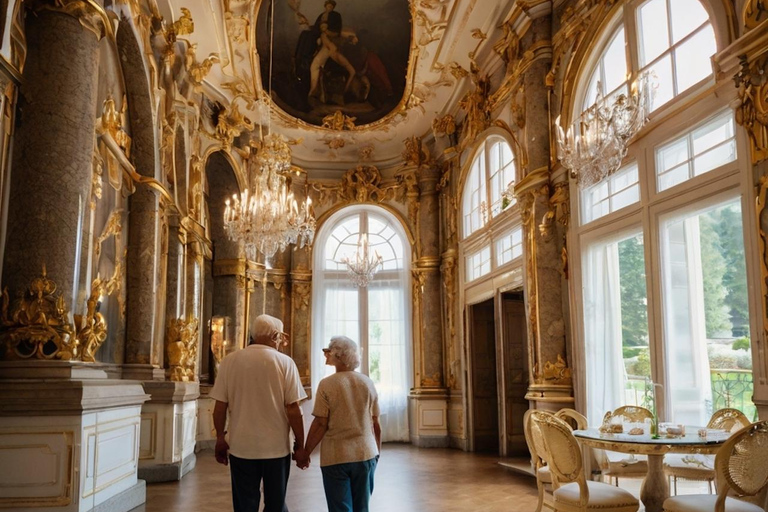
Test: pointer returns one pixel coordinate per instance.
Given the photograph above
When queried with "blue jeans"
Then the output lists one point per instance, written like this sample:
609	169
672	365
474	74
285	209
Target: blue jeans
246	483
348	487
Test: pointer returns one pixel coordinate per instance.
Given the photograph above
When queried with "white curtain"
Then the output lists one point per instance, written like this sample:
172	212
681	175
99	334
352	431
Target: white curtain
388	335
688	382
340	308
606	375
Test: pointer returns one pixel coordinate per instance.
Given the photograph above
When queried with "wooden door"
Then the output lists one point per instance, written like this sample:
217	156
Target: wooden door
485	404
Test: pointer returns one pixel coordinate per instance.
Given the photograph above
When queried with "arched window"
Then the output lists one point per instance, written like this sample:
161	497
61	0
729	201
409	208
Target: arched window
493	164
377	316
661	263
674	43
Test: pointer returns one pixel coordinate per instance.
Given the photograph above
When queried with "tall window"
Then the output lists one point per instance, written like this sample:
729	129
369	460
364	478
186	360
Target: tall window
376	316
493	164
663	270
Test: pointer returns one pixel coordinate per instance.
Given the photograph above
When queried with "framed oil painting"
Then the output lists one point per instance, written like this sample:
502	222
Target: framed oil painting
335	55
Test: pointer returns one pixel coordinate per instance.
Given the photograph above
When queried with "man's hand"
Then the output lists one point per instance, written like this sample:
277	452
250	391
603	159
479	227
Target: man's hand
222	451
302	458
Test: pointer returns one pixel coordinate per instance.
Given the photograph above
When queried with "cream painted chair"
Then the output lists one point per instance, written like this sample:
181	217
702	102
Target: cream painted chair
543	475
572	492
702	467
620	465
742	470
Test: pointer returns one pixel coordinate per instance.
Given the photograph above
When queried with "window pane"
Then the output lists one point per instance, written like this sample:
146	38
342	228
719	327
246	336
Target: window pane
479	263
615	325
654	30
687	16
617	191
502	173
672	155
615	63
713	133
662	74
715	158
474	196
509	247
706	318
692	59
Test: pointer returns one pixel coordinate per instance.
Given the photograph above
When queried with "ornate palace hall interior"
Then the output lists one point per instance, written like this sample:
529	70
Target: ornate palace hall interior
511	205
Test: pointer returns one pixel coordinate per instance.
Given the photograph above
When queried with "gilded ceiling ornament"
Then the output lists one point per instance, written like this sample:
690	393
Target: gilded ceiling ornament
444	126
237	27
361	185
458	71
197	71
414	153
508	46
184	25
365	153
230	123
38	326
752	114
181	348
431	30
480	36
476	105
339	121
754	13
336	143
92	327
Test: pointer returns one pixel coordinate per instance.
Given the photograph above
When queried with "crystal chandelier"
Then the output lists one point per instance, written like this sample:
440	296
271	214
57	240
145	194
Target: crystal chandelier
604	130
363	265
266	216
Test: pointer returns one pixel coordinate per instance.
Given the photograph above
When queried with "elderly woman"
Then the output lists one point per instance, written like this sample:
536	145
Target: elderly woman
347	421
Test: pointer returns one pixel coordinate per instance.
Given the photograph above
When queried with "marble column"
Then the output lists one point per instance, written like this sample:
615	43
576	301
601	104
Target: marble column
429	396
143	356
52	155
550	382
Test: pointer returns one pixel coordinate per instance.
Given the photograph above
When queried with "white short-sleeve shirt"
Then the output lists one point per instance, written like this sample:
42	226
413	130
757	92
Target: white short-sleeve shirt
257	383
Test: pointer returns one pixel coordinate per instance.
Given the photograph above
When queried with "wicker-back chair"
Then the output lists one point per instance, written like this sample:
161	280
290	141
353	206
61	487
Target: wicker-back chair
702	467
572	492
615	465
742	468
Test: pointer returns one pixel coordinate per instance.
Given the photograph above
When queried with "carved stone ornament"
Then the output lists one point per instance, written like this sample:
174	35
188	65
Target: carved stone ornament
752	114
38	327
113	122
181	349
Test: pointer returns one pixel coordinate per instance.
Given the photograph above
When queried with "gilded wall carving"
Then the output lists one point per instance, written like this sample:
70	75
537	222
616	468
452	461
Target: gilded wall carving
752	114
181	349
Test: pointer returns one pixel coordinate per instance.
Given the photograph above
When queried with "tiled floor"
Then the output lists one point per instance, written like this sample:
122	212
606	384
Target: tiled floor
408	479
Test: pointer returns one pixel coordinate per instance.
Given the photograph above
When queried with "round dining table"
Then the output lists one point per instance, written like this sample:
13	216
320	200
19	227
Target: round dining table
655	488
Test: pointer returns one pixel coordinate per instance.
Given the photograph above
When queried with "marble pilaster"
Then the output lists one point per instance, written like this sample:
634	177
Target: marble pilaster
550	382
429	396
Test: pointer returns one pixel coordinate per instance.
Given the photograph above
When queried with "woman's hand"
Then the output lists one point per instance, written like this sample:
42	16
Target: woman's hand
302	458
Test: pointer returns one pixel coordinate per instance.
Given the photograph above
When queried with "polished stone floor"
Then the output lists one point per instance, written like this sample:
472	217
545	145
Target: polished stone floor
408	479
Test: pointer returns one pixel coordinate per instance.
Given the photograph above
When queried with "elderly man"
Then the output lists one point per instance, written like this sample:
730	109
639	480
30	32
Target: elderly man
261	389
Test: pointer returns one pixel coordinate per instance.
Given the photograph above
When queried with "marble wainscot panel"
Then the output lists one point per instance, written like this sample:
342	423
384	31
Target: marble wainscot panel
69	445
168	430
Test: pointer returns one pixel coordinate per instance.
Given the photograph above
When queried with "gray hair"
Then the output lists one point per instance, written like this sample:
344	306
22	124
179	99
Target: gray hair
267	326
346	351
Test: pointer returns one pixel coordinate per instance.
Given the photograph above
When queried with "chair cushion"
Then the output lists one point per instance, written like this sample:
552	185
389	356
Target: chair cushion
705	503
600	496
691	467
545	475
